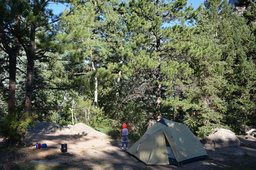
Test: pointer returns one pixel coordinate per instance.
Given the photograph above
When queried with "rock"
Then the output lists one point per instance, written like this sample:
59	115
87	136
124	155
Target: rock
251	132
43	127
222	138
247	141
48	130
38	130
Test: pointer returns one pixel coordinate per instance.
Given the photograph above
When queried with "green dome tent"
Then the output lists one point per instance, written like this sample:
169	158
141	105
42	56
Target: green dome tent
168	142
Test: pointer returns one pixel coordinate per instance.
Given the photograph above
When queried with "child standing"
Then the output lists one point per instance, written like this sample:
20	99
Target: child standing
124	136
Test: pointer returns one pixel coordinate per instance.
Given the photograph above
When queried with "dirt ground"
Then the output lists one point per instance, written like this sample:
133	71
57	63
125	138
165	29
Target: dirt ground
90	149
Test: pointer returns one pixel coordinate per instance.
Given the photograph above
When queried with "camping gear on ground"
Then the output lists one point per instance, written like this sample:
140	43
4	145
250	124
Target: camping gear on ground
38	145
168	143
64	147
43	145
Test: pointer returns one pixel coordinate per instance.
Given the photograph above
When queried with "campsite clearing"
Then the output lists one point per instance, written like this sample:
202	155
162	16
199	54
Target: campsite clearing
95	150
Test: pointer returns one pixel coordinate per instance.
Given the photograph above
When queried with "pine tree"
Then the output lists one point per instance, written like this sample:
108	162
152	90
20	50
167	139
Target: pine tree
147	54
238	50
90	35
10	20
200	103
217	51
25	29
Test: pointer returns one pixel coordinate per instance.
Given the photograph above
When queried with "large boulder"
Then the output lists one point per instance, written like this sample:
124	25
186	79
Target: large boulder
42	131
38	131
222	138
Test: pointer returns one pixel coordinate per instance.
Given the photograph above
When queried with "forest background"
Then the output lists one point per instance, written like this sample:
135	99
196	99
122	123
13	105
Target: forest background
105	62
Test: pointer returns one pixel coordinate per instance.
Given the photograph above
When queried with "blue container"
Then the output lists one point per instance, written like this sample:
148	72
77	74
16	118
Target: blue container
44	146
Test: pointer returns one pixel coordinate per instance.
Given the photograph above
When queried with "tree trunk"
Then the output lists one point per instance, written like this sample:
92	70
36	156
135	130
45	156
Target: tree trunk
31	54
96	91
12	80
12	49
158	77
29	82
96	85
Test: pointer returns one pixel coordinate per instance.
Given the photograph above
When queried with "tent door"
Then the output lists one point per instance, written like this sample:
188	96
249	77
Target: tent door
170	154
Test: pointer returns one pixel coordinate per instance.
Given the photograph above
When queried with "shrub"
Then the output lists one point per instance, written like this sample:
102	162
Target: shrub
13	128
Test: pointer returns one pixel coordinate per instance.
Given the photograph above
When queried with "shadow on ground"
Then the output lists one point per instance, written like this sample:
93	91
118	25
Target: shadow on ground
12	158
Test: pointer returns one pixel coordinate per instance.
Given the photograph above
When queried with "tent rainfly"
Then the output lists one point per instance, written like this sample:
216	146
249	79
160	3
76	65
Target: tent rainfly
168	142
